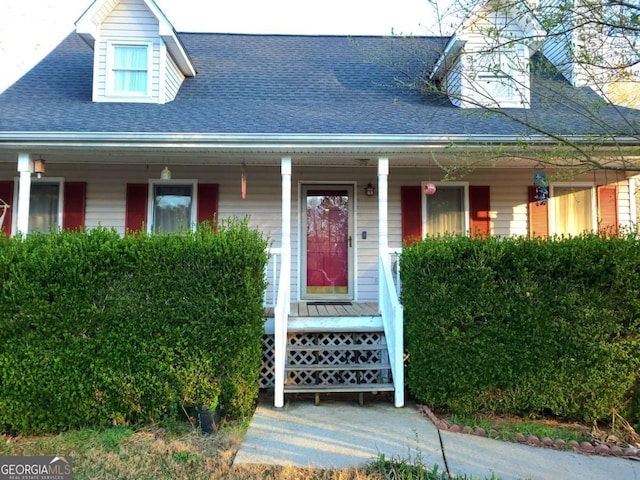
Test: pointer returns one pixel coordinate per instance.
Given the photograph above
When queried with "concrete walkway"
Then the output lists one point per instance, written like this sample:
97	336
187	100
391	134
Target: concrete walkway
343	434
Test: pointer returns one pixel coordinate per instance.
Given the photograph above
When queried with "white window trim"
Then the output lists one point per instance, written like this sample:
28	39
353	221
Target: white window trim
178	182
552	204
465	185
517	71
34	180
110	77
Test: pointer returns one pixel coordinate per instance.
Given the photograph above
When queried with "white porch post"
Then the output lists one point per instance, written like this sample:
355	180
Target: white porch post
25	167
284	286
383	214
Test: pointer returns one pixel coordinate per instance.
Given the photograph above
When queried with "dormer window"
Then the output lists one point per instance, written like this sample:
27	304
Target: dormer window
138	57
129	74
496	75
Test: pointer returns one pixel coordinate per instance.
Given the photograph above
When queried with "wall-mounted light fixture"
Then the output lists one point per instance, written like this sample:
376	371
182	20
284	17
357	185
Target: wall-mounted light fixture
38	167
369	190
165	174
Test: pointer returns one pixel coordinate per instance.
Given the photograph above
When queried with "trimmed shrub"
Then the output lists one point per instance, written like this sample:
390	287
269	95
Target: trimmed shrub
518	326
98	329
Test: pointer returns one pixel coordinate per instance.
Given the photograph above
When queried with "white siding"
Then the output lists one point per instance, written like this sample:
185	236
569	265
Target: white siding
173	78
463	76
454	84
106	195
130	21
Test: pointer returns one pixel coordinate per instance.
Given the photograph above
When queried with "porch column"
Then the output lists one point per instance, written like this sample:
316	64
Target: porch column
283	301
286	206
25	167
383	212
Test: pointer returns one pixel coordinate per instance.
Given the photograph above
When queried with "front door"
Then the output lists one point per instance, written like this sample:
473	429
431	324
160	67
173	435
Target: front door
327	234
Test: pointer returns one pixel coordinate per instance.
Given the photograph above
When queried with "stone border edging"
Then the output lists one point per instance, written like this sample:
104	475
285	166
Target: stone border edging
532	440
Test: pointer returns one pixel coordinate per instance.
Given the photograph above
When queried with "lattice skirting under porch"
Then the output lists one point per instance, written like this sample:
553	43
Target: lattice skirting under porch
326	357
267	374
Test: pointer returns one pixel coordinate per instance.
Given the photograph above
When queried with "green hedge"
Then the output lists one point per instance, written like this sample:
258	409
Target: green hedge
524	326
98	329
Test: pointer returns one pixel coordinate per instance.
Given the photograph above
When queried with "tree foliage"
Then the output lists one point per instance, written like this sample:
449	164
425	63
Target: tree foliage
573	69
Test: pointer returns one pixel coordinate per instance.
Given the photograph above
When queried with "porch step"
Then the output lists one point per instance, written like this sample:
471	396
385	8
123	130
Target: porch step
337	348
332	362
342	387
360	389
314	367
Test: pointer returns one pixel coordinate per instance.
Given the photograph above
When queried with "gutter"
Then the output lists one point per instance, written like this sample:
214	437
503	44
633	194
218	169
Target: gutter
280	142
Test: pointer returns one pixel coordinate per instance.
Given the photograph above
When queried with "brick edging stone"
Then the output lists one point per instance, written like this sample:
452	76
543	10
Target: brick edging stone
534	441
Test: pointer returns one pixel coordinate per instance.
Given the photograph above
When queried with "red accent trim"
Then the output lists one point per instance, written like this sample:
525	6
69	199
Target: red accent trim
208	202
73	212
608	209
6	194
136	209
480	210
538	216
411	213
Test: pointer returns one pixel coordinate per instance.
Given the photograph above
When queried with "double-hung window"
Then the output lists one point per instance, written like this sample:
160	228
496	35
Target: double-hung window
129	73
172	206
45	206
447	212
496	75
572	209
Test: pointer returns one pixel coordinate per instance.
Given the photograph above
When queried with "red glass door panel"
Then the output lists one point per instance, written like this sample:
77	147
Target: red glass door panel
327	223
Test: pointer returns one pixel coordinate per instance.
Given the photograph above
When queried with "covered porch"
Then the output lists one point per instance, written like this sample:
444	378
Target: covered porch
343	317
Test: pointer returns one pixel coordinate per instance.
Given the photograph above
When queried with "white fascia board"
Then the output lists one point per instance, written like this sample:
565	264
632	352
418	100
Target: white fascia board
444	63
170	38
178	53
88	25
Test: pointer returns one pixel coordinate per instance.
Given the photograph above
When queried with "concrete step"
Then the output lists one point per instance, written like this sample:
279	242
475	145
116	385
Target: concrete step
360	389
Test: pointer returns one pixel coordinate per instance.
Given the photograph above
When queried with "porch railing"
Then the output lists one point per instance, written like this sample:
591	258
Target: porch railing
394	259
392	320
271	274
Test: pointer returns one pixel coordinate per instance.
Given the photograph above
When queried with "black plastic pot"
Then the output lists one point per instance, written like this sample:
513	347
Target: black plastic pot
208	421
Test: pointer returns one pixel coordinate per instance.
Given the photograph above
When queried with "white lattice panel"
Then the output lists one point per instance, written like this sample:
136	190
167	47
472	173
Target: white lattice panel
267	374
326	356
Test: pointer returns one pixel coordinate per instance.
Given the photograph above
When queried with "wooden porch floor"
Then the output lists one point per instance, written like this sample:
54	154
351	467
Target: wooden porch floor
320	309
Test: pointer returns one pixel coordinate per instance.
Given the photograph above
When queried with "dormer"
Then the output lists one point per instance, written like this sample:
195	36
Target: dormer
138	56
486	63
594	46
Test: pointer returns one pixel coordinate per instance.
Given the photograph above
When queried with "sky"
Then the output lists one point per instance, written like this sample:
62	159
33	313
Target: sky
30	29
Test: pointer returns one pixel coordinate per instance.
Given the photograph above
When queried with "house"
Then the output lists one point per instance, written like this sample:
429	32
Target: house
131	125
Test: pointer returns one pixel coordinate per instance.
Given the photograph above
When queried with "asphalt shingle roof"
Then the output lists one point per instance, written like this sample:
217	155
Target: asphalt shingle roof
272	84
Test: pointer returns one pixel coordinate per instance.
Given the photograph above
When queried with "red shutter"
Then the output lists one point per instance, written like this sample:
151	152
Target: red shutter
6	194
208	202
411	213
75	194
538	216
136	214
479	206
607	209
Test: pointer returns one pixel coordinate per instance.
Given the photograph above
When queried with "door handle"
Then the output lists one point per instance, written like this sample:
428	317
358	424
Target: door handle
350	241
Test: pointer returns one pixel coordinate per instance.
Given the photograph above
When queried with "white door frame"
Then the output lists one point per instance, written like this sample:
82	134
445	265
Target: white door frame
303	187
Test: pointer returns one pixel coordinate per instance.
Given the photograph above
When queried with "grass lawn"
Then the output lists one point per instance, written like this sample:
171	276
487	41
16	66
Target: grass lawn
177	452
